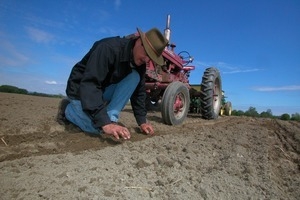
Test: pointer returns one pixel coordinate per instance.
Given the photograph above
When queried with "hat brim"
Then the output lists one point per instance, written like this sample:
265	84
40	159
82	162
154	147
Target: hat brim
153	56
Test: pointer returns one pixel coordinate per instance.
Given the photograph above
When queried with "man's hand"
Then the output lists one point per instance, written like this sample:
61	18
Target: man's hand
147	128
116	130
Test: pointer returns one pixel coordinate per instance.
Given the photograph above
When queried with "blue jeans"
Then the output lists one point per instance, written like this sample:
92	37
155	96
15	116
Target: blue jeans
117	95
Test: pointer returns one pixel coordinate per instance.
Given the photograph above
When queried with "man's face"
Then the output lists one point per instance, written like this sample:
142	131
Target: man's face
140	56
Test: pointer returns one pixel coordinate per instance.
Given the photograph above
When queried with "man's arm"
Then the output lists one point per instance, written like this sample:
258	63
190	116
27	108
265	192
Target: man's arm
91	88
137	101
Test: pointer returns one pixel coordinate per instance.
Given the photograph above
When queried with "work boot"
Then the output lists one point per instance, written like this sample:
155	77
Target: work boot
61	116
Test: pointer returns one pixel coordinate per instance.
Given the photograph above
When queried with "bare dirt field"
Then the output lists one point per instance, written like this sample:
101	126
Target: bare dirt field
228	158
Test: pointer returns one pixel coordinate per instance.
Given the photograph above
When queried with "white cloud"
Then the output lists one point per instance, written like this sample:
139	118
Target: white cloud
226	68
10	55
281	88
242	71
117	4
51	82
39	36
43	22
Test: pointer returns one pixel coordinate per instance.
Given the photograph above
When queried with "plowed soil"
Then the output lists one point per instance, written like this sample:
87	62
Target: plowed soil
228	158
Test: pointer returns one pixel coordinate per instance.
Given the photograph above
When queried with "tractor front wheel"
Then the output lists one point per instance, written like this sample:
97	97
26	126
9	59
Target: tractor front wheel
175	103
211	93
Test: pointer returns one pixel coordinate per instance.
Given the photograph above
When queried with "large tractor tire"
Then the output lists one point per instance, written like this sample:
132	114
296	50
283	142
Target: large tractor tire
211	93
228	108
175	103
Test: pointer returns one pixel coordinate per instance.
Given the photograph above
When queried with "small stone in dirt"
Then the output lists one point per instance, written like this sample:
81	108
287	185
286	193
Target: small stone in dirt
82	189
184	149
62	175
203	193
118	162
66	182
48	146
162	160
93	179
142	163
15	170
108	193
159	183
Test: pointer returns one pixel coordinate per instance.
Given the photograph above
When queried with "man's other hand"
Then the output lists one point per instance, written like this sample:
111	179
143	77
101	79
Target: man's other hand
147	128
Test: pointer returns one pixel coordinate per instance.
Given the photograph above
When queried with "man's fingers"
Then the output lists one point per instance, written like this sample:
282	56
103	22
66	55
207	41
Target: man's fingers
116	135
147	129
118	131
150	130
124	133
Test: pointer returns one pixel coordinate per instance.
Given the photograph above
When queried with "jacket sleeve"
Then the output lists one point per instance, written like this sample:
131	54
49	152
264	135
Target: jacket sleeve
138	100
91	86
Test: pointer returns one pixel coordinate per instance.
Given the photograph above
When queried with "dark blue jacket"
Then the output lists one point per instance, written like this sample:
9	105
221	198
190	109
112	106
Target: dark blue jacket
107	62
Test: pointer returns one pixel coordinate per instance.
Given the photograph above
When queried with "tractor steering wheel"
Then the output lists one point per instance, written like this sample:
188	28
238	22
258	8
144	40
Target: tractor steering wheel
186	57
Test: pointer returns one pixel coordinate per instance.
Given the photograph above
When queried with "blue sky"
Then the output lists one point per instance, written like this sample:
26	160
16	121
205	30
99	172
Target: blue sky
254	43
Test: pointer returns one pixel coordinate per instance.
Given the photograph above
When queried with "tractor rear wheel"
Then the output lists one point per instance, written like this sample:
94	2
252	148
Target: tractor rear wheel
175	103
228	108
211	93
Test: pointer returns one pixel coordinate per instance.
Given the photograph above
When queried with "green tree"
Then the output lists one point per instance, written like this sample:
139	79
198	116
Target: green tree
237	113
295	117
266	114
285	116
251	112
12	89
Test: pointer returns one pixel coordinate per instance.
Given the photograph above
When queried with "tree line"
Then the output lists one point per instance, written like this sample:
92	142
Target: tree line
13	89
251	112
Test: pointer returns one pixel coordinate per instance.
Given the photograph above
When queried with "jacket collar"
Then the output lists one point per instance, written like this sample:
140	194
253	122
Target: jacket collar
127	53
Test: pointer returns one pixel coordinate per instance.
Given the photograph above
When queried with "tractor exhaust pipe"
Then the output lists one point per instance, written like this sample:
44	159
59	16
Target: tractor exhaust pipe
167	30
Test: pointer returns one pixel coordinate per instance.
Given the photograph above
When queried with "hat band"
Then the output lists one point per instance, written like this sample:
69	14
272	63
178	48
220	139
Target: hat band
155	51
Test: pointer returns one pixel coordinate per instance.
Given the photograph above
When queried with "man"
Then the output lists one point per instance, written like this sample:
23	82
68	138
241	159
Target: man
110	74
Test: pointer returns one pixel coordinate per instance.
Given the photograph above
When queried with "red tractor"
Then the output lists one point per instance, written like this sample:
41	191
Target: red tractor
169	85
